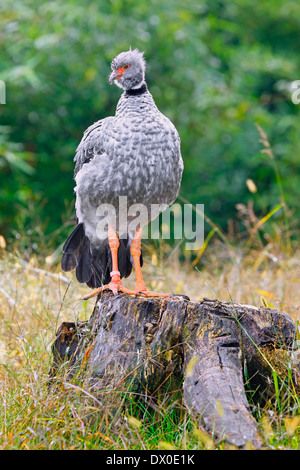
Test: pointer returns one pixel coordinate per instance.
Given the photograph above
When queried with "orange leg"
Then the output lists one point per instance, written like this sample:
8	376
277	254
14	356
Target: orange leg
115	284
135	251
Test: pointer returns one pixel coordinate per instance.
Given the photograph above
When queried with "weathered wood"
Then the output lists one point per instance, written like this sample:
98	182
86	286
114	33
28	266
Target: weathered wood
208	349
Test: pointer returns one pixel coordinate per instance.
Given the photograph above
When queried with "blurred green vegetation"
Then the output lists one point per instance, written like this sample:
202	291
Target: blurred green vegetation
216	69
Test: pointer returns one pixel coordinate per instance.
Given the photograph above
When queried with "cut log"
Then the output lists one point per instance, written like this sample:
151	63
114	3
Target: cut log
214	352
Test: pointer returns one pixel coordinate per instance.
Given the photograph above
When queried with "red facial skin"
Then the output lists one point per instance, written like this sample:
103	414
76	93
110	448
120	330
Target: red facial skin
121	71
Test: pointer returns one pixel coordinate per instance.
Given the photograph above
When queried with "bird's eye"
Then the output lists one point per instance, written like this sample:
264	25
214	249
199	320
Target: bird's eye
126	66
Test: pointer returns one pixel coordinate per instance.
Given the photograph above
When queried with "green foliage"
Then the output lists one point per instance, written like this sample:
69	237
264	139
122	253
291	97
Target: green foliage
215	68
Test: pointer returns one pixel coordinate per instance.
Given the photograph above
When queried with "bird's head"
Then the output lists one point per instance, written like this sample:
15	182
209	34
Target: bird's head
128	69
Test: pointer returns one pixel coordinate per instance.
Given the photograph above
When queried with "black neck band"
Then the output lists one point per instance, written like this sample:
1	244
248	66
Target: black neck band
137	91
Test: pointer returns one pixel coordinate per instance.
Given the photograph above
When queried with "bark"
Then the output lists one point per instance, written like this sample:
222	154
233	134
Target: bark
215	353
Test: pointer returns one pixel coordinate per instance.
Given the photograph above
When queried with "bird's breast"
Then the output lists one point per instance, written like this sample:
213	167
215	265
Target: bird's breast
142	161
145	159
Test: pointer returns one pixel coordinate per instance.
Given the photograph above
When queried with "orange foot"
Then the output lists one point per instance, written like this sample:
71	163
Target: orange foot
117	287
114	286
140	288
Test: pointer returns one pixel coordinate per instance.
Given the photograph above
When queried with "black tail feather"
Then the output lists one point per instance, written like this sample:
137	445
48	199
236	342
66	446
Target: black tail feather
84	268
68	261
101	265
74	240
93	265
72	248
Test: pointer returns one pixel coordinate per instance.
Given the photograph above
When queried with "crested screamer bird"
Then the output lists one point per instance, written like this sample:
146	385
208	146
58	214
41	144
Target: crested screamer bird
133	156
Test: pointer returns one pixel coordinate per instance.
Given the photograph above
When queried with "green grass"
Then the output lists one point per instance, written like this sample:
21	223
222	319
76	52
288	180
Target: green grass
36	298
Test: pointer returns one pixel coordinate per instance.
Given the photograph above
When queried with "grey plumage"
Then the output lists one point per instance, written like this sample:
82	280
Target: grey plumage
136	154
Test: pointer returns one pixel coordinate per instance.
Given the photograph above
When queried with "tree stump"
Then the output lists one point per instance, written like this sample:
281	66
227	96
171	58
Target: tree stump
214	352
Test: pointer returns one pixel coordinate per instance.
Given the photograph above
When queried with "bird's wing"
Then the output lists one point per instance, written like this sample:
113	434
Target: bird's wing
91	145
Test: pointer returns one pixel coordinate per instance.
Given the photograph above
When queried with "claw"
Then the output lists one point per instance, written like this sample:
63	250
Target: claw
115	287
149	293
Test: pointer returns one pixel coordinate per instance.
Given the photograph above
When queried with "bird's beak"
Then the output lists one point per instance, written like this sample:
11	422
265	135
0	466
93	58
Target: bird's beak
113	76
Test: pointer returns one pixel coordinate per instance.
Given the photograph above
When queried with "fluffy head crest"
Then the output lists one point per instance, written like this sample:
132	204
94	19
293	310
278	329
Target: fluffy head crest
128	69
131	57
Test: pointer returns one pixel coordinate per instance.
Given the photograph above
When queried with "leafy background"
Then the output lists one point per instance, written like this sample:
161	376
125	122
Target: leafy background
216	69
